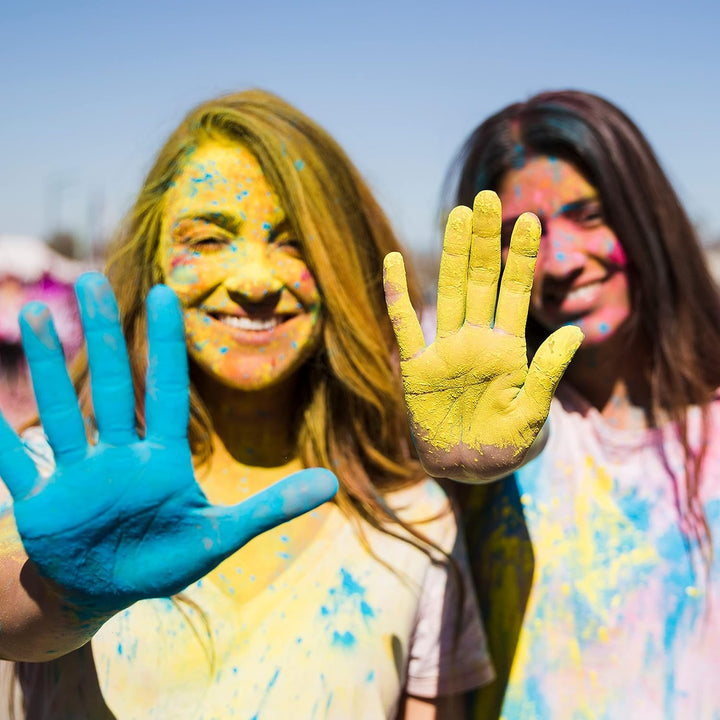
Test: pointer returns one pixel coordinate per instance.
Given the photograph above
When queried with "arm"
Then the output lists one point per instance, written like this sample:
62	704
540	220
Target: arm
123	519
35	624
475	407
448	654
449	707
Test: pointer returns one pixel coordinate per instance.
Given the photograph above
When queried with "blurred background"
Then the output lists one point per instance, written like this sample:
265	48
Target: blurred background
90	89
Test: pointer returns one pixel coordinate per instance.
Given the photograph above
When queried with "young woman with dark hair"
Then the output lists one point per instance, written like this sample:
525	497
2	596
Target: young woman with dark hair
595	563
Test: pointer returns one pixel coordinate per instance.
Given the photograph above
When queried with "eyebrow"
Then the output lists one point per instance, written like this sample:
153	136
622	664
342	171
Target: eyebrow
576	205
282	227
226	221
230	222
570	207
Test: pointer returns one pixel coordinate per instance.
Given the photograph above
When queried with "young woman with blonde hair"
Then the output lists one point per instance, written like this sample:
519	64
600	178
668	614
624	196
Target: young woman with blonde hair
136	601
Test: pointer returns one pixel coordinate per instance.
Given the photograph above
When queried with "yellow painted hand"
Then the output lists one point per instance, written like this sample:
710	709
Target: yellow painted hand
475	407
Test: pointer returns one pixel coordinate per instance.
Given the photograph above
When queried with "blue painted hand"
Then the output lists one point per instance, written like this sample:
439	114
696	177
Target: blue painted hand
124	519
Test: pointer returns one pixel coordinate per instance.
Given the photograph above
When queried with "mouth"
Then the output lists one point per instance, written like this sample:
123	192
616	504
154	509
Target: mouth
580	294
251	324
573	301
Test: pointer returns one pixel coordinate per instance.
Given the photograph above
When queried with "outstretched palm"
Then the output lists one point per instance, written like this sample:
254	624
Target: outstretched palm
124	519
475	407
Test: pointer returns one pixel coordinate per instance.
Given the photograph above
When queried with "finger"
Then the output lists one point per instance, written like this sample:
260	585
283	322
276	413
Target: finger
292	496
111	380
517	278
54	393
167	395
485	259
17	470
547	368
408	333
452	282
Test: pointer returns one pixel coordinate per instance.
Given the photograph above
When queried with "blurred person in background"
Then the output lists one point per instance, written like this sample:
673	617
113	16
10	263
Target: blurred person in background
31	270
597	564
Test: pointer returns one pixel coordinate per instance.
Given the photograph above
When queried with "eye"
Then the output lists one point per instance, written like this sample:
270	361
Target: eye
590	215
207	243
506	232
289	245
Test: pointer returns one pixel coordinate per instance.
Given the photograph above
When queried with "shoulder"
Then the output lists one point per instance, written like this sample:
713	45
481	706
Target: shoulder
427	507
414	501
37	446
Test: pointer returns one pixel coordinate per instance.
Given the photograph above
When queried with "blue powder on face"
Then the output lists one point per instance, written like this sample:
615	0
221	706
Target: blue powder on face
557	170
299	164
518	160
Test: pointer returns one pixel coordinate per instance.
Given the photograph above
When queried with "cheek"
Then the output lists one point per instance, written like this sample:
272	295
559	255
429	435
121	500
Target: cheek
560	245
298	278
189	274
606	246
616	254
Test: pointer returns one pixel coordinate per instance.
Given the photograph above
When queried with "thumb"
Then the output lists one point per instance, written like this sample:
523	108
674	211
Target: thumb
547	368
292	496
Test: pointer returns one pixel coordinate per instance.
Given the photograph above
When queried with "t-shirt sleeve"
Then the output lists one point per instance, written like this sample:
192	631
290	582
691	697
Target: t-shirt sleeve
448	650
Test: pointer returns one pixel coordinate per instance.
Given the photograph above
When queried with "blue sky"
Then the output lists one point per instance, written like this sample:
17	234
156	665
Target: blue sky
89	90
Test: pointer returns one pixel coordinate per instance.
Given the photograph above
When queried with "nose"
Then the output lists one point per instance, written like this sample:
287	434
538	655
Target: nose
253	277
560	254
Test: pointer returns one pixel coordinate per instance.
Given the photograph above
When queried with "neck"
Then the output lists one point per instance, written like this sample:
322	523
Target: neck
255	428
613	377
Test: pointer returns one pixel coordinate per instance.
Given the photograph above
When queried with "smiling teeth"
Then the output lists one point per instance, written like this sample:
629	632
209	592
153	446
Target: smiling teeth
583	293
247	323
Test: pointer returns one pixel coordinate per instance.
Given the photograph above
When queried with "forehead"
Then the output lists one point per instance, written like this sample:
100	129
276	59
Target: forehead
217	174
543	185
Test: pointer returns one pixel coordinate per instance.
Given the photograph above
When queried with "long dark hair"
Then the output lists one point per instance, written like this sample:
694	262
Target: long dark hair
675	303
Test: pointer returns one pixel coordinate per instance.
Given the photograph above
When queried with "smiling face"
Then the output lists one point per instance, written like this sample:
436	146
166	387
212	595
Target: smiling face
252	308
581	273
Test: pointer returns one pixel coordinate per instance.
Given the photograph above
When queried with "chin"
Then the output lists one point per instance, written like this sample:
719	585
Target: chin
250	375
